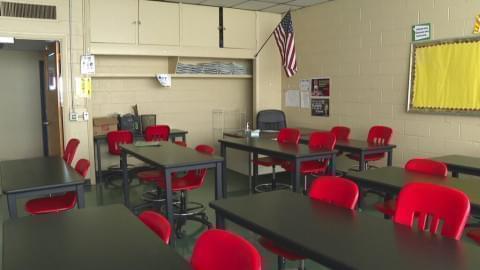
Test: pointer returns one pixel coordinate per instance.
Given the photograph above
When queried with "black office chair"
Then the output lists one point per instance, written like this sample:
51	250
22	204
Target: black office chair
271	120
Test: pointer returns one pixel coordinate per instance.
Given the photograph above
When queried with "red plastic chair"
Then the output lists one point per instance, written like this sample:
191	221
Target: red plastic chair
115	138
289	136
157	133
433	204
60	203
418	165
70	150
341	133
474	234
193	179
158	224
337	191
222	250
376	135
318	141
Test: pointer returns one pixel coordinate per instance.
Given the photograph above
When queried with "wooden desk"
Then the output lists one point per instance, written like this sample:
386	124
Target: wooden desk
171	158
39	176
461	164
343	239
107	237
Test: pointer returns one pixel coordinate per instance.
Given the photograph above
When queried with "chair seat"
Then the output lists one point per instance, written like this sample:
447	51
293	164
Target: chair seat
267	161
387	208
53	204
369	157
150	176
270	245
308	167
475	235
182	183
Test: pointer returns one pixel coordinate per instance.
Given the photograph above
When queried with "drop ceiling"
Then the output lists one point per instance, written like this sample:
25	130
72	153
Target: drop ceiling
275	6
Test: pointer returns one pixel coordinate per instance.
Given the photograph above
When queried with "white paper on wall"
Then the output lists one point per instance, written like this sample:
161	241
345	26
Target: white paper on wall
305	85
292	98
305	99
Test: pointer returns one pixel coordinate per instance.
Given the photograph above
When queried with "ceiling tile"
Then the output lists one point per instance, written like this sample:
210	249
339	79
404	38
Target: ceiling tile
280	8
186	1
306	3
276	1
222	3
254	5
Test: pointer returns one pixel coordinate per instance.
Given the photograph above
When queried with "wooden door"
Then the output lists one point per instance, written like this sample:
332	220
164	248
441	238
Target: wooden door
159	23
239	29
53	109
114	21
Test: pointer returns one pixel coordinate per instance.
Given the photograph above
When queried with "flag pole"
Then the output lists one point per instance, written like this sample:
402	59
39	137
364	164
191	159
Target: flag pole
269	37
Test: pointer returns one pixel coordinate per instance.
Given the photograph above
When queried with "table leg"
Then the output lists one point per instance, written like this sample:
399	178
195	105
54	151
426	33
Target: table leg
389	158
455	174
250	183
98	157
388	196
255	173
362	161
332	165
295	176
184	138
80	196
223	153
12	205
220	221
126	194
169	199
220	186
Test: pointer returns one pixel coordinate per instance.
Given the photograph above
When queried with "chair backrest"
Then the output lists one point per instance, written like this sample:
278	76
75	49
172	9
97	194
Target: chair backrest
427	166
322	140
70	150
338	191
147	120
82	167
433	204
341	133
158	224
271	120
115	138
157	133
221	250
288	136
379	135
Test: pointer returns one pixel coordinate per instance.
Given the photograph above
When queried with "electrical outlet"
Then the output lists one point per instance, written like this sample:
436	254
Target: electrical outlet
73	116
85	116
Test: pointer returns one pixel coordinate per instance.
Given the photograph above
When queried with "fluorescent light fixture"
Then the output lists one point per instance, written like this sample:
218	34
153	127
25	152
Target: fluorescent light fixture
9	40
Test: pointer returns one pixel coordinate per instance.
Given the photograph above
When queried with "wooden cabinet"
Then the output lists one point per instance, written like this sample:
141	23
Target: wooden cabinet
113	21
159	23
239	29
200	26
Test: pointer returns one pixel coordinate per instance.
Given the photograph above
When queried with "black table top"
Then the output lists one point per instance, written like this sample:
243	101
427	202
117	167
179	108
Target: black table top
109	237
349	145
272	147
304	132
36	173
173	131
394	178
471	163
344	239
169	155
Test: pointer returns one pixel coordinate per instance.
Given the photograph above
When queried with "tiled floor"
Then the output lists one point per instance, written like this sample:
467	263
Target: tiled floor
237	186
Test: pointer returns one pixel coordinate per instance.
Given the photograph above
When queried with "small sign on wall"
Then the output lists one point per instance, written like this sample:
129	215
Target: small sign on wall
320	97
421	32
87	65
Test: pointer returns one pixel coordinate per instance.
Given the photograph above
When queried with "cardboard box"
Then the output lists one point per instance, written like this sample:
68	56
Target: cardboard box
103	125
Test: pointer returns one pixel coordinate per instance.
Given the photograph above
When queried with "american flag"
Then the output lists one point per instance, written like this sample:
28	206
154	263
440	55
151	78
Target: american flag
286	44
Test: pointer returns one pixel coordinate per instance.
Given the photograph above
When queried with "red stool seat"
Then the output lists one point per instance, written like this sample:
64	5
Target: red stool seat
369	157
150	176
270	246
308	167
387	208
475	235
188	182
52	204
267	161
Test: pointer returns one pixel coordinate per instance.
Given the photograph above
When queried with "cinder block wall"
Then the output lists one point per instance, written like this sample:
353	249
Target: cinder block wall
364	47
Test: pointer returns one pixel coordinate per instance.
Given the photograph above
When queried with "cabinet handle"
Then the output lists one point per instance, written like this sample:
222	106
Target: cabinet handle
139	22
134	22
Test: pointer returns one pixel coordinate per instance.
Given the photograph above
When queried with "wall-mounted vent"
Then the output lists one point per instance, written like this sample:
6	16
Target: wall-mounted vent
34	11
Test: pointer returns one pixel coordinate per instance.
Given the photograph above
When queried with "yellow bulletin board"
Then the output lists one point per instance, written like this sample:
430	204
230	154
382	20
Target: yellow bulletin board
445	76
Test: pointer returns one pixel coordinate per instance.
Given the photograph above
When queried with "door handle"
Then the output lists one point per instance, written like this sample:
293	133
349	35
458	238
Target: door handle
46	123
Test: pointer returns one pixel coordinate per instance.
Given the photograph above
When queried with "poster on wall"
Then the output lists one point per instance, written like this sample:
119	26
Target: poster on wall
320	88
320	107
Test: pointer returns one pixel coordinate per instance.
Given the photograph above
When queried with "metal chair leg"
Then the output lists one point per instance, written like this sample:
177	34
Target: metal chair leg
281	263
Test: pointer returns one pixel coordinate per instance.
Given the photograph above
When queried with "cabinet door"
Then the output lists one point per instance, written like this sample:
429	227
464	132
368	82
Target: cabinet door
113	21
200	26
239	29
159	23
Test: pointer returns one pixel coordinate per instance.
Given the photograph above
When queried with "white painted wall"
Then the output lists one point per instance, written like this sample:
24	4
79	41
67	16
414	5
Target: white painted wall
20	117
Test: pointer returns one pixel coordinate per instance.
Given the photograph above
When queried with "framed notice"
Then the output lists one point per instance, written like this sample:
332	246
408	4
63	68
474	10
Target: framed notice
320	88
320	107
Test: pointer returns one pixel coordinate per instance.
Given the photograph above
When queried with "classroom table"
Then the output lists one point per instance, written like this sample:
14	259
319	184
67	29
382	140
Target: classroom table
98	139
339	238
108	237
392	179
170	158
270	147
39	176
362	148
461	164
